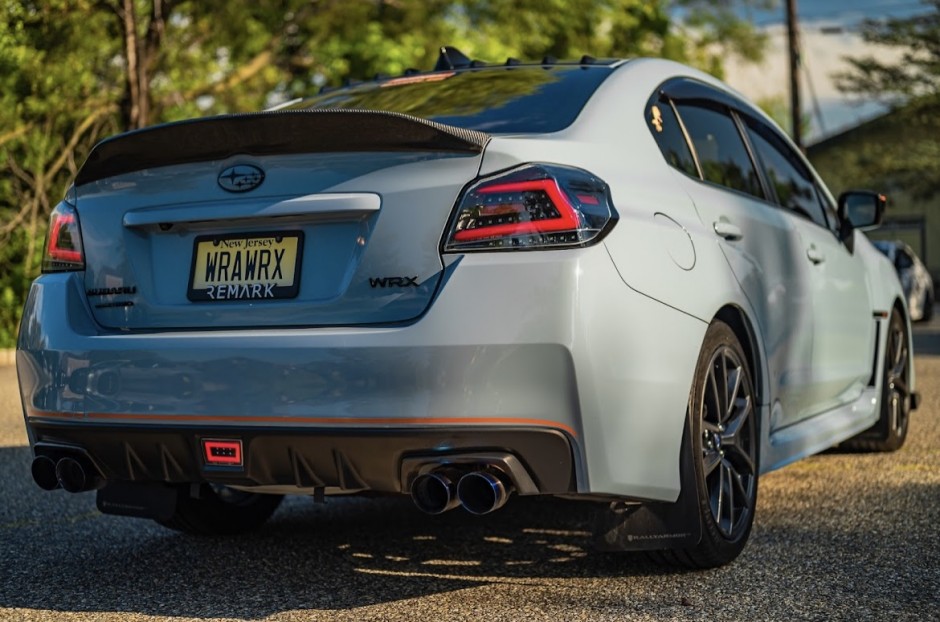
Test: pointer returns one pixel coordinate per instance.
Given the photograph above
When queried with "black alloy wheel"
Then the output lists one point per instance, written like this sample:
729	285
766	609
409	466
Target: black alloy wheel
897	393
729	444
724	422
890	432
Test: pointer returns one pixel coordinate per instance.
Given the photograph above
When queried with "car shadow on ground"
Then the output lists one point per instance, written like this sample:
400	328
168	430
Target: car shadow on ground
60	554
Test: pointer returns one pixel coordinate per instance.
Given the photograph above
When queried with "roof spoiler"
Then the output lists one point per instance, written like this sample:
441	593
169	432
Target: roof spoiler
272	133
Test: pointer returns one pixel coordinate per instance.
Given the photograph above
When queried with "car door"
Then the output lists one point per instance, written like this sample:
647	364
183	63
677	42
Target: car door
843	339
760	243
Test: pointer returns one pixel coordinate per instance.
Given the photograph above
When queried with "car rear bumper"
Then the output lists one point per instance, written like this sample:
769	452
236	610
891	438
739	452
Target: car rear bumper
528	345
301	459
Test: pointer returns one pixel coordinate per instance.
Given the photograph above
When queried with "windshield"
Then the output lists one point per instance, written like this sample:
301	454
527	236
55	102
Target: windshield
506	100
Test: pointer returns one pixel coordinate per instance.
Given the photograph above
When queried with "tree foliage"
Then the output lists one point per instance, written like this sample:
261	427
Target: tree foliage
907	153
915	74
897	153
74	71
53	106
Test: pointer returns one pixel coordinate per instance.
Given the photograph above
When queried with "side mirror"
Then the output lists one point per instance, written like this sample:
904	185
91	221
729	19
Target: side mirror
859	209
862	209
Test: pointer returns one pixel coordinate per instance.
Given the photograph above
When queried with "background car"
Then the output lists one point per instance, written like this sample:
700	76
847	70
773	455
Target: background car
915	278
614	281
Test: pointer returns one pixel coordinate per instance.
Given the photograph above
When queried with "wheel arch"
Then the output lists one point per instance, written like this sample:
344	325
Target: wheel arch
900	306
736	318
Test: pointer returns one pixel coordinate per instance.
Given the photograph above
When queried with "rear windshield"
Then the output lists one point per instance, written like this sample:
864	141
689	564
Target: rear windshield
503	100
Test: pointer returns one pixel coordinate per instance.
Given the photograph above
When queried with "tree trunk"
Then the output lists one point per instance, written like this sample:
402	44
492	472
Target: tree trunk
141	54
128	15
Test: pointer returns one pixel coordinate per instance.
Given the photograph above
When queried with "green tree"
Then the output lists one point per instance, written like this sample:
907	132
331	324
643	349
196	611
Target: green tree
53	106
915	74
909	157
74	71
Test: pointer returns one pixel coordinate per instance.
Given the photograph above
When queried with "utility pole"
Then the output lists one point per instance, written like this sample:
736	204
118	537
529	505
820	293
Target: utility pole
793	35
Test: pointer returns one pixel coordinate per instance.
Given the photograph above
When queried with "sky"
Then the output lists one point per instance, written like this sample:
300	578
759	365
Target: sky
823	56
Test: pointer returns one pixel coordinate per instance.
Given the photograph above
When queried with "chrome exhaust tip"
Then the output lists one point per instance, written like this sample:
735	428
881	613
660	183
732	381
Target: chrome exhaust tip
43	470
481	492
435	492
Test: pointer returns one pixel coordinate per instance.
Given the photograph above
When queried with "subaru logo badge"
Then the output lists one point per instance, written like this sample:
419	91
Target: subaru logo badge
241	178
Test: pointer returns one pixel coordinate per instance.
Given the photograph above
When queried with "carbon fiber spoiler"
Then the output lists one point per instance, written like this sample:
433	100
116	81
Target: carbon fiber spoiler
272	133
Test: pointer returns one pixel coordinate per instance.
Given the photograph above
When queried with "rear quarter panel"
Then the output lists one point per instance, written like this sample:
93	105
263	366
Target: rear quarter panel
660	247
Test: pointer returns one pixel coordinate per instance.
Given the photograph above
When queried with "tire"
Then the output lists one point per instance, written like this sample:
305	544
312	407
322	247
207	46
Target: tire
219	510
724	420
890	432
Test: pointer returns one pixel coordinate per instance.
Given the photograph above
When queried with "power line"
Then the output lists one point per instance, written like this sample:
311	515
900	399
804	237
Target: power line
817	110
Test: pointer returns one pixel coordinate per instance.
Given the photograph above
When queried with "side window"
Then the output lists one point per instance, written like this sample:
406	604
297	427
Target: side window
668	134
787	175
721	152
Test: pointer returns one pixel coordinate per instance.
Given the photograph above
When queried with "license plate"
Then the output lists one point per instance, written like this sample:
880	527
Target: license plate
246	266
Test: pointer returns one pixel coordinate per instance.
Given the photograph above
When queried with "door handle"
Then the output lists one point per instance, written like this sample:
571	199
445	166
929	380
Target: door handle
815	255
728	231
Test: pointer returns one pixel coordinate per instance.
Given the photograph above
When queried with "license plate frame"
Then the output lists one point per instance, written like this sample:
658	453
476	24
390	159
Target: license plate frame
249	256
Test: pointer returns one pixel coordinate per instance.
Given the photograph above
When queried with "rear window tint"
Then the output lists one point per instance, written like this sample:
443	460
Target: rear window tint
721	152
511	100
668	134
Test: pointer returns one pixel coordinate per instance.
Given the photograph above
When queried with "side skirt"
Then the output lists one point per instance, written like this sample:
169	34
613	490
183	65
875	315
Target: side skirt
822	431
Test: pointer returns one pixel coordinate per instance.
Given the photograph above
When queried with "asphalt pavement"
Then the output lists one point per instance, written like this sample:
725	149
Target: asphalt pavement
838	537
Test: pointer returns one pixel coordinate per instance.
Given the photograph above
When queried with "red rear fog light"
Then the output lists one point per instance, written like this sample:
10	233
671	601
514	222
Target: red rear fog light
219	452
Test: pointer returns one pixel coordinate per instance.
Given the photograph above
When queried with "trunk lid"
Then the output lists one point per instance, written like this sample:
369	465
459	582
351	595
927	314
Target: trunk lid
277	219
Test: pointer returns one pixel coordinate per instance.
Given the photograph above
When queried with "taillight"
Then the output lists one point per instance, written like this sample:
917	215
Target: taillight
63	241
536	206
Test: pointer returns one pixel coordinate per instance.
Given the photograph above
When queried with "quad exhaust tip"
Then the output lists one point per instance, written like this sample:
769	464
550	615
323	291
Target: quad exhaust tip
43	470
70	474
478	491
435	492
482	492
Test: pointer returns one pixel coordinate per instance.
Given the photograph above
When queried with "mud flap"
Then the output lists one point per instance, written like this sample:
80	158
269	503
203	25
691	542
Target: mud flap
155	501
627	526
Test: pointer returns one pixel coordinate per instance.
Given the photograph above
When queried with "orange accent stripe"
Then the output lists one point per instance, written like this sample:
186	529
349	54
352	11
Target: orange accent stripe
46	414
542	423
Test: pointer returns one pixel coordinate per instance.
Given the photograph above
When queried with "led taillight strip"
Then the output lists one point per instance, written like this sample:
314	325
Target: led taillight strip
567	220
53	250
